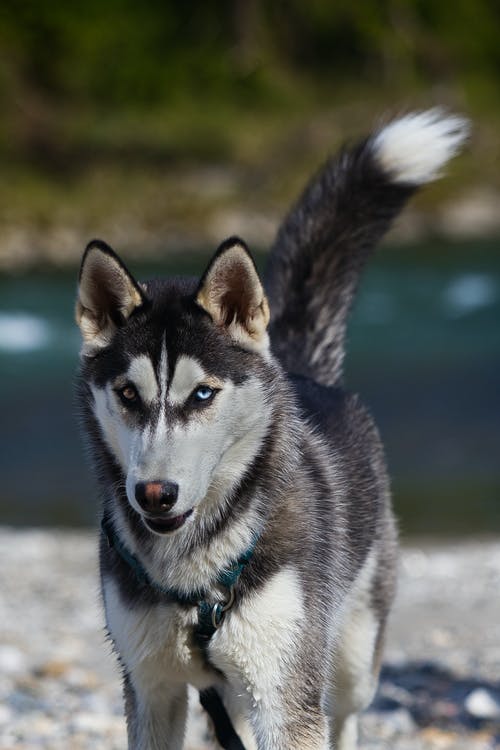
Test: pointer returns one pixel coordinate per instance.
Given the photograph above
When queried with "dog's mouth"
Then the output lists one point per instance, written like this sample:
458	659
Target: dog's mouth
166	525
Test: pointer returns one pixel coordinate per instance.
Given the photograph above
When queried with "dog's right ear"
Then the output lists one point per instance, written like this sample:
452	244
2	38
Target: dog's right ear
231	292
107	296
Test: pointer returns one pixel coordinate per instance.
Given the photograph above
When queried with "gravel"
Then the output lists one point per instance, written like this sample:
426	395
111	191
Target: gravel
60	687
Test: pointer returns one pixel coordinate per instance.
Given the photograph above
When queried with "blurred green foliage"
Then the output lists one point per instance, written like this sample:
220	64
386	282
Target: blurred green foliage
171	116
67	69
123	52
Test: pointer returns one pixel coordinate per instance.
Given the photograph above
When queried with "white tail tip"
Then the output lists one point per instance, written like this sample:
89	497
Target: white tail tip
414	148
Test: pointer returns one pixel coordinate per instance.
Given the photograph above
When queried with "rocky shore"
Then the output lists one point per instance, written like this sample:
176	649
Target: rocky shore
58	243
60	688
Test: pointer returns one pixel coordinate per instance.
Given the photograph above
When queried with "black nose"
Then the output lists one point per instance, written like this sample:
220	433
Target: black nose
156	498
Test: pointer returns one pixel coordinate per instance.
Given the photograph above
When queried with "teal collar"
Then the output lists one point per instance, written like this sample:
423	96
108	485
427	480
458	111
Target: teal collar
210	616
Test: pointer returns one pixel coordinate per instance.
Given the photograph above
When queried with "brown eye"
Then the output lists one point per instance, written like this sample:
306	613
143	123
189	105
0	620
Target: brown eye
128	394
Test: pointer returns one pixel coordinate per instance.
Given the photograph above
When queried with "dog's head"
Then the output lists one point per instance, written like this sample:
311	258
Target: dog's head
178	372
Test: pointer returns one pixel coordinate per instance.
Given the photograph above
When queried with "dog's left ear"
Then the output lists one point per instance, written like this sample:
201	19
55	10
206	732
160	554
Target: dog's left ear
231	292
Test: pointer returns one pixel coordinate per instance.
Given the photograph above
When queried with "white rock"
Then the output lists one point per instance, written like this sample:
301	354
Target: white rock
5	715
90	722
482	705
400	721
42	726
12	660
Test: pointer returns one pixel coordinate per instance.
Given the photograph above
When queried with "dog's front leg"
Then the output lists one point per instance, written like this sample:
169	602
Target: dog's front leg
156	714
281	724
270	656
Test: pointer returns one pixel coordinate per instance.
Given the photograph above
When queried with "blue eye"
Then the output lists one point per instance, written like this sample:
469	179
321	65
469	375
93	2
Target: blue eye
203	393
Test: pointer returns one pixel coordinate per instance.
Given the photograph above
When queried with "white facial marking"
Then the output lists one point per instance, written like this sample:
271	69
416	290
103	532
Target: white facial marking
207	452
163	375
187	375
141	373
117	434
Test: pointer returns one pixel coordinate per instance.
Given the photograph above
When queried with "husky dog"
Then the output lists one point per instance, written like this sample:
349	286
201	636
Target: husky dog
248	543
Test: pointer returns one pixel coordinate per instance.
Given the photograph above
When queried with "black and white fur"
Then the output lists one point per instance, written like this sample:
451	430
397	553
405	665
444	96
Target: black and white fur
231	389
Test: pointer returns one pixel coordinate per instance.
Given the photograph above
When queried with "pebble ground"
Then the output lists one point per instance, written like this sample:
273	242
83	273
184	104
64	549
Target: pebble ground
60	689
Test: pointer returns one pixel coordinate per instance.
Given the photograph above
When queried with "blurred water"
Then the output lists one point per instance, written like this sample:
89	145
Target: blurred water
423	352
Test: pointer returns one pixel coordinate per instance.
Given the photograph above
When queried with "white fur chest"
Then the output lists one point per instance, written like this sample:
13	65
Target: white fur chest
253	645
155	642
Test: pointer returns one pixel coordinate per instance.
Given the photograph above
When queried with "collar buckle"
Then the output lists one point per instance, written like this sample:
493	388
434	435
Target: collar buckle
219	609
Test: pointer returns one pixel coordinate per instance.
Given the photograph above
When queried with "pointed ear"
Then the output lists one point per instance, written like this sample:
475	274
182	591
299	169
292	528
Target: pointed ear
231	292
107	295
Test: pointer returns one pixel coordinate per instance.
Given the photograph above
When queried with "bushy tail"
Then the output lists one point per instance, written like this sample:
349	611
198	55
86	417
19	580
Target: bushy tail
322	245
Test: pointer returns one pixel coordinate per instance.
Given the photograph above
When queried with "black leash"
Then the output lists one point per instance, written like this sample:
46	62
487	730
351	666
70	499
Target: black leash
224	730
